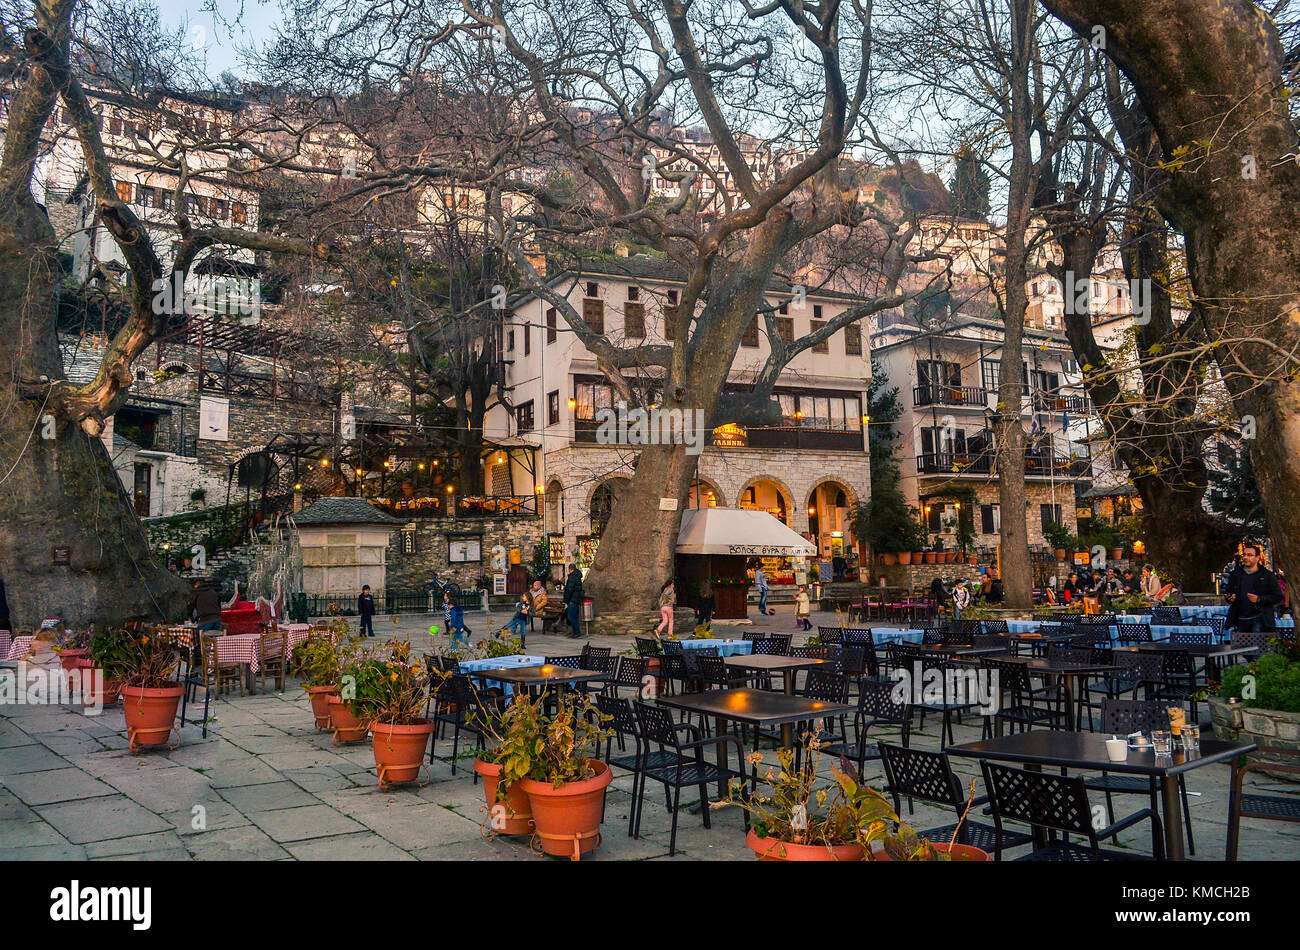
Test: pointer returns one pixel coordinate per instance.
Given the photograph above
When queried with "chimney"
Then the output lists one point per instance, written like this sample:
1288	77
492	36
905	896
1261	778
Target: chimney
620	250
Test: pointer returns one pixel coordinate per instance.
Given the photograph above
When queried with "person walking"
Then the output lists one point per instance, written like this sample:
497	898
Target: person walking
704	612
960	598
938	594
573	595
1253	594
667	601
760	581
366	611
802	609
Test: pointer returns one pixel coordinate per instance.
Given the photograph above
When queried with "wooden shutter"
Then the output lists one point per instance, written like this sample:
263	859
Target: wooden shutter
593	314
750	337
853	340
634	320
824	346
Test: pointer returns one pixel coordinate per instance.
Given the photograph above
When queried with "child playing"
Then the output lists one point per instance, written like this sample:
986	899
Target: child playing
802	609
454	615
518	622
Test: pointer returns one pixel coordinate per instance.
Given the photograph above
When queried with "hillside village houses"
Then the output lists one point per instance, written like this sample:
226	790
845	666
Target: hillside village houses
220	417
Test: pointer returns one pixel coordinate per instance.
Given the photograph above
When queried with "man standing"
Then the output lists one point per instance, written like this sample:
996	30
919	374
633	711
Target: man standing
760	581
366	610
573	595
1253	594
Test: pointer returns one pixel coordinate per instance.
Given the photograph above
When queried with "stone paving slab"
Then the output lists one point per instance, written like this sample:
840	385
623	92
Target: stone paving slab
270	786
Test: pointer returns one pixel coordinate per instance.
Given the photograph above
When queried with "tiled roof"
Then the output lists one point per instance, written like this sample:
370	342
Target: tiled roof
343	510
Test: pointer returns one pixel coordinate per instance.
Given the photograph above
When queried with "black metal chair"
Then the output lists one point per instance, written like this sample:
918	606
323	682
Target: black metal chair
623	721
782	641
1129	634
1139	672
1178	680
996	626
1022	704
830	634
1119	717
937	637
1193	637
647	646
768	647
1096	620
825	686
1216	625
920	775
950	703
595	658
1166	615
628	672
877	706
688	766
568	662
1242	804
456	703
1266	640
1056	805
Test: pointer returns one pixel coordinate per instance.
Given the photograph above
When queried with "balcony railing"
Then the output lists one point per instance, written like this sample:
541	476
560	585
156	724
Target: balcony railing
460	506
1051	402
936	395
235	383
1037	464
765	437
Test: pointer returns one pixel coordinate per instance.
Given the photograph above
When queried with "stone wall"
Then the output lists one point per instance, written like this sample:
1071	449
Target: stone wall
411	572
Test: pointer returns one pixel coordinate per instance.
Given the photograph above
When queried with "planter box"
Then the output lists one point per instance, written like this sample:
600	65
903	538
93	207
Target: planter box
1265	727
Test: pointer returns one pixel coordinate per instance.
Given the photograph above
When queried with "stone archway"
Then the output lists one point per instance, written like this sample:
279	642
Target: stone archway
711	495
601	502
830	505
770	494
553	507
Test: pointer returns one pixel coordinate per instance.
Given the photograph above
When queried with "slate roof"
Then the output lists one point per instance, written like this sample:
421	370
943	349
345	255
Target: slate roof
343	510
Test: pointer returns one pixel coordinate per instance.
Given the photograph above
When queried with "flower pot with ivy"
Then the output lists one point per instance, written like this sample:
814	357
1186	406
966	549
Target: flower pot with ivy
390	695
72	646
552	760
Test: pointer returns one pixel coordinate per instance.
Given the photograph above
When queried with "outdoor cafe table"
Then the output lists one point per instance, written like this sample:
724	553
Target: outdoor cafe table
1213	653
724	647
787	666
753	707
883	635
1067	673
540	676
1086	751
513	661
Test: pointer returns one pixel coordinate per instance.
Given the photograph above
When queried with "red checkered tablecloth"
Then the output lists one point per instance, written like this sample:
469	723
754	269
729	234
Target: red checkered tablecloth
240	648
296	635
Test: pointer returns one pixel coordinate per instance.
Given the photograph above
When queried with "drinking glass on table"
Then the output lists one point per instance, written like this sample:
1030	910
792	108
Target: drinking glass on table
1162	741
1191	739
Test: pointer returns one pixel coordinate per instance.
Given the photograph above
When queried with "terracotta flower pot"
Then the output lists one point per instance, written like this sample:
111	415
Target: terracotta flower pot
772	849
972	559
931	557
96	690
1116	553
567	819
889	560
948	556
68	658
1059	554
958	852
320	707
513	816
904	557
347	727
399	750
150	713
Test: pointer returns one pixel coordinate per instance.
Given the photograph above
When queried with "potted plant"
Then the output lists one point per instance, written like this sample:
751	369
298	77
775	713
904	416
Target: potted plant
145	666
791	819
1259	702
348	726
390	695
72	647
553	761
105	666
1060	537
319	660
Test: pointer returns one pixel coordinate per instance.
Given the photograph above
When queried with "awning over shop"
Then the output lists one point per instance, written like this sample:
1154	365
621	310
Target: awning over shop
739	531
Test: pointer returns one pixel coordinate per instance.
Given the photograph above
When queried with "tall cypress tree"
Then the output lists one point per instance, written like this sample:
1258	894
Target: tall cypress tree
970	187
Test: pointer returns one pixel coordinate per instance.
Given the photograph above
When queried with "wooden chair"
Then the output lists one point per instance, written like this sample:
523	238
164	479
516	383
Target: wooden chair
275	644
222	674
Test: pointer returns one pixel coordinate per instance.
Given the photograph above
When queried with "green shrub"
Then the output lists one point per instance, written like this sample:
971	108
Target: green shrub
1275	684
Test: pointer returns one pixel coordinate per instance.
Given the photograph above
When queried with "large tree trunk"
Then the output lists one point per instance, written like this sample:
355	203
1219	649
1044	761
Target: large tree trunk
1237	201
58	492
1017	575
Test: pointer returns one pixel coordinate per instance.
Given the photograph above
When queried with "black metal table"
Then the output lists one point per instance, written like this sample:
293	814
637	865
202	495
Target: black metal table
539	677
1211	653
1087	751
1067	672
754	707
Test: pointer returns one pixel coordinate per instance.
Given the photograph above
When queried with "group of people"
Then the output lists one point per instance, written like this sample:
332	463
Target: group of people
963	596
1111	583
532	603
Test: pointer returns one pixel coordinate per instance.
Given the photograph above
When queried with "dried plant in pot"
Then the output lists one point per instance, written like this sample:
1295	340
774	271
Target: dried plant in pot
145	666
552	759
320	660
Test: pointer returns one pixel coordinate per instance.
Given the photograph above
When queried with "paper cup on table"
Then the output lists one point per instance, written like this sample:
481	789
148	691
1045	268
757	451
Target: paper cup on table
1117	749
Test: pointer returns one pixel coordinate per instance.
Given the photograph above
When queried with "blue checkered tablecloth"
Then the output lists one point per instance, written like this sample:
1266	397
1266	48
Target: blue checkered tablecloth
883	635
500	662
724	647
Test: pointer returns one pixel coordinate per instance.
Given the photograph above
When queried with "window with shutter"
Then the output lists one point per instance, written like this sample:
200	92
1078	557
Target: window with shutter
853	340
990	519
785	326
238	212
750	336
634	320
124	191
593	314
528	338
824	346
551	331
